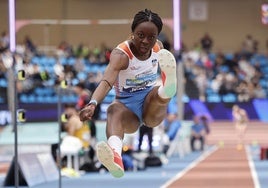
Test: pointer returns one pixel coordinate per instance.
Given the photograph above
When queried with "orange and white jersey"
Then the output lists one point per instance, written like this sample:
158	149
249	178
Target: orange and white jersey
139	75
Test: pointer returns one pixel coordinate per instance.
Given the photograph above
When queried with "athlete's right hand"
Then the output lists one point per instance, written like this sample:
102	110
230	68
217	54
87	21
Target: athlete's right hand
87	112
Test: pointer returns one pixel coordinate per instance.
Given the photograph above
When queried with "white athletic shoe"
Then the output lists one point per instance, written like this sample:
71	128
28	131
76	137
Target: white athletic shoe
110	159
167	65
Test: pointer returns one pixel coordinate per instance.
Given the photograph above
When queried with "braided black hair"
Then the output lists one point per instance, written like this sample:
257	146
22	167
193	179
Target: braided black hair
145	16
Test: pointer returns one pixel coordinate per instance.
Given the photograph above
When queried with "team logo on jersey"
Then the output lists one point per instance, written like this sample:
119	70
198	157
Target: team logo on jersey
154	61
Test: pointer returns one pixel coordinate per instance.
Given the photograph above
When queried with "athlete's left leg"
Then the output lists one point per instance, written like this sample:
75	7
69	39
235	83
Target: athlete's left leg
156	102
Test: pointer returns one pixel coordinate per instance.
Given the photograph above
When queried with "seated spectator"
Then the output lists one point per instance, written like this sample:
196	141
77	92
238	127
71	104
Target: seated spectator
84	96
74	127
198	133
171	123
243	93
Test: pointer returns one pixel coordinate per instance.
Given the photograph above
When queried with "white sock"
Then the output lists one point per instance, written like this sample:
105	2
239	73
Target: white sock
116	143
162	93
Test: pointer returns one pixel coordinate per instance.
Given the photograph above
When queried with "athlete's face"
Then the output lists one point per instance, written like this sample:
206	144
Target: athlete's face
145	36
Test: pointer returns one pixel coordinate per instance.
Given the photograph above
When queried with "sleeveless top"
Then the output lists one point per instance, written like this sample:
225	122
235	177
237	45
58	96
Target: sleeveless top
140	75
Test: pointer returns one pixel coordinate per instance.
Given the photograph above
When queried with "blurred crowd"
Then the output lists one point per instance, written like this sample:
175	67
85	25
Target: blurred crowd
241	74
207	73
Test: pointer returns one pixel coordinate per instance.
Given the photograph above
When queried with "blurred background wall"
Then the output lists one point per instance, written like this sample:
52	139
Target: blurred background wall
228	22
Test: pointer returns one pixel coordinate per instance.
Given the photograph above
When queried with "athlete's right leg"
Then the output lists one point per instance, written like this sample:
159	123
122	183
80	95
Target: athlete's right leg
120	120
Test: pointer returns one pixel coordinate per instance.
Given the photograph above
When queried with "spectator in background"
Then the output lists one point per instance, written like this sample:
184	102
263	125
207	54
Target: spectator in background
240	118
4	41
171	124
91	84
81	130
84	96
30	46
144	130
81	51
64	50
257	91
198	133
249	46
205	121
206	43
243	92
75	127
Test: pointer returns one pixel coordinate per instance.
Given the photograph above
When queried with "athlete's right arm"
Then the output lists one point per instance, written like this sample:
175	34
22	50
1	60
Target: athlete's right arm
118	61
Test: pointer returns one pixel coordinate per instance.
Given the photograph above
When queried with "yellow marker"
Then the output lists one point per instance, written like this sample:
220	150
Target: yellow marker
21	116
255	142
21	75
64	118
221	143
64	84
125	148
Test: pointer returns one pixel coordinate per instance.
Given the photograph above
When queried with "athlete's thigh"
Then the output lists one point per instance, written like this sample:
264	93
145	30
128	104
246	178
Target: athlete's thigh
122	114
154	110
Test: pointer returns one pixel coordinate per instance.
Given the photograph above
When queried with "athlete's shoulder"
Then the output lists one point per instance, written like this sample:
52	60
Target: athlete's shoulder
124	47
119	59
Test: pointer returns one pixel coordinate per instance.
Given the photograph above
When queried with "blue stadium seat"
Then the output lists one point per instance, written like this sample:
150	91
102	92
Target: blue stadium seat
229	98
50	99
185	98
264	83
63	60
31	98
40	99
51	61
43	61
95	68
74	81
82	75
212	56
214	98
3	82
71	61
35	60
229	56
23	98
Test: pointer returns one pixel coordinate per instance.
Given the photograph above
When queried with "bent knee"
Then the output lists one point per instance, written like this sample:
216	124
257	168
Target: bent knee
115	107
152	122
